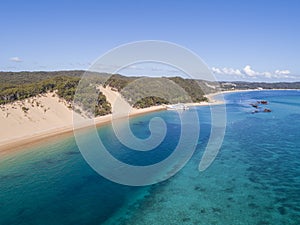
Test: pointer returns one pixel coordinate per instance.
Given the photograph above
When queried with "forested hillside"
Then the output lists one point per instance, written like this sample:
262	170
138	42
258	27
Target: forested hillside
140	92
22	85
143	92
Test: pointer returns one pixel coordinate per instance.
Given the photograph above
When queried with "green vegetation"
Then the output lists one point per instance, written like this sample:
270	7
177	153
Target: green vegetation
15	78
91	100
191	87
25	109
158	90
22	85
143	90
102	107
118	81
64	85
254	85
140	92
150	101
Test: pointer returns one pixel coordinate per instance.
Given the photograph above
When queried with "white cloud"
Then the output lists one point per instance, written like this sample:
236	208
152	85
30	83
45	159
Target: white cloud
232	71
216	70
247	71
15	59
227	71
267	74
282	72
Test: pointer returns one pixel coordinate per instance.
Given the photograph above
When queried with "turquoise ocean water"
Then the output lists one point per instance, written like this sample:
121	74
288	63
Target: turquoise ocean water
255	178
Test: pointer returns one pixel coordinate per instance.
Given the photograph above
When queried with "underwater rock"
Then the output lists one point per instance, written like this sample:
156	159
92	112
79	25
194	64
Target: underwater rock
254	105
282	210
263	102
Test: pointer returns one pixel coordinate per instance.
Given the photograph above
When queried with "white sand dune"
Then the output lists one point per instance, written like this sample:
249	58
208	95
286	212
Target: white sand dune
45	113
48	115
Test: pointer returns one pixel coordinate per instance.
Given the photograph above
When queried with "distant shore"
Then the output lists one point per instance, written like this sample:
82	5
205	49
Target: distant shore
212	96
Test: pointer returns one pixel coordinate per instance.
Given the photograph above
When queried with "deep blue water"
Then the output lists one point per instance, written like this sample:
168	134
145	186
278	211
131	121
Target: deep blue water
255	178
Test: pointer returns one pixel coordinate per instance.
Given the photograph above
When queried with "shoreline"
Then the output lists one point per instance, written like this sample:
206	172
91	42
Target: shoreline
14	144
33	139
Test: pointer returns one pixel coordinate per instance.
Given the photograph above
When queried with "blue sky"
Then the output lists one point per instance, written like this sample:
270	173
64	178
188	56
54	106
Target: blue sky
239	40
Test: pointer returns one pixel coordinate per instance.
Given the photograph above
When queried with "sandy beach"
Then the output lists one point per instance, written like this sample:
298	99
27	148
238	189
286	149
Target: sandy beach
212	95
44	116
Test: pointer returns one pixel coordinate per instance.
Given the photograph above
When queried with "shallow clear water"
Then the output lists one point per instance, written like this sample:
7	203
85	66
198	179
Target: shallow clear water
255	178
